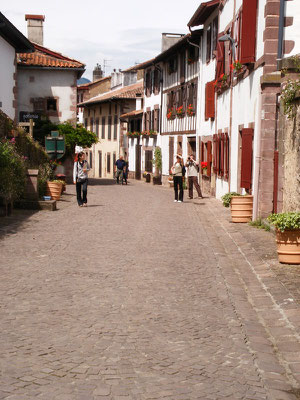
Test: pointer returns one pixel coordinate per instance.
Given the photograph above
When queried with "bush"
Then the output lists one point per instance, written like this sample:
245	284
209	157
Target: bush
33	153
157	161
12	173
77	136
285	221
227	198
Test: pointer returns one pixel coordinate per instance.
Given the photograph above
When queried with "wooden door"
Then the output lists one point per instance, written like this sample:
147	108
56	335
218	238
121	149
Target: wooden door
138	152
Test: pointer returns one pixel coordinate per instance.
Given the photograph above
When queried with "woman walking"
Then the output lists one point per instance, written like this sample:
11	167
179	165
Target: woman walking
80	178
177	179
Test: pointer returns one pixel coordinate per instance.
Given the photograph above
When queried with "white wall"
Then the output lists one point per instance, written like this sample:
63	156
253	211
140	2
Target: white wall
47	83
7	82
293	32
261	23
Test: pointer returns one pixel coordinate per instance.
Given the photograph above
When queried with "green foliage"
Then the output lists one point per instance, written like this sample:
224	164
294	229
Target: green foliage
260	224
12	173
285	221
77	136
43	128
46	173
227	198
157	160
288	96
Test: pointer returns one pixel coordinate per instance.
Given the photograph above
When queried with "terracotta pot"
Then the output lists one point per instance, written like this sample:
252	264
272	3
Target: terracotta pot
54	190
241	208
288	246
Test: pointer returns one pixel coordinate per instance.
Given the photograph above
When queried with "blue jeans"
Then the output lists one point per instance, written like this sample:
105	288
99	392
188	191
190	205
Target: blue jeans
81	186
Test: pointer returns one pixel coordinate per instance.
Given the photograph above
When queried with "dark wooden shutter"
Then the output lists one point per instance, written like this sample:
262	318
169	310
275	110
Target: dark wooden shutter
246	168
109	127
220	60
210	100
171	152
209	158
156	81
249	22
148	83
115	127
156	120
182	66
208	43
103	128
195	95
108	163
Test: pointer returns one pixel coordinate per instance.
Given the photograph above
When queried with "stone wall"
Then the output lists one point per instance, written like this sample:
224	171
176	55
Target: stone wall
291	160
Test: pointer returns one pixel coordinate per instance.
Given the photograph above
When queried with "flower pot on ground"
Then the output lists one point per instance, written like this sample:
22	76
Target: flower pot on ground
287	236
54	189
241	206
148	177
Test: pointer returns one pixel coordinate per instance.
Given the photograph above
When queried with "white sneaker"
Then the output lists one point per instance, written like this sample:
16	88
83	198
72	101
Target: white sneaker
179	201
175	201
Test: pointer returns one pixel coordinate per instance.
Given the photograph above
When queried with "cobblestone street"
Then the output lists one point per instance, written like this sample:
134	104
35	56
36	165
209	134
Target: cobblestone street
137	297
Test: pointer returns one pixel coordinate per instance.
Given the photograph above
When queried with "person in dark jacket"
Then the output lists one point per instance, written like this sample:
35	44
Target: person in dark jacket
120	164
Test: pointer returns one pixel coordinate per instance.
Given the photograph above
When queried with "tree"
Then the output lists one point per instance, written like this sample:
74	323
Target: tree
78	136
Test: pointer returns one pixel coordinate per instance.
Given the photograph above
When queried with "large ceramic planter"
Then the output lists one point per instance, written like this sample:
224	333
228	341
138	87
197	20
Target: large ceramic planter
54	190
288	246
241	208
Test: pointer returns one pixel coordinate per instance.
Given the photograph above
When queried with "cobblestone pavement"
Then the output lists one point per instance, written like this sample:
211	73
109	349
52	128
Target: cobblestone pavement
137	297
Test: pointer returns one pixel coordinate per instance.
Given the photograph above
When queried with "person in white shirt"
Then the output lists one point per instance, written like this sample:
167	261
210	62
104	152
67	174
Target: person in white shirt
80	179
192	168
177	179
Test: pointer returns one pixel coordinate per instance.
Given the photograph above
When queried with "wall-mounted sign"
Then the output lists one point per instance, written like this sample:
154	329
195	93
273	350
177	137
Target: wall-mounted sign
55	145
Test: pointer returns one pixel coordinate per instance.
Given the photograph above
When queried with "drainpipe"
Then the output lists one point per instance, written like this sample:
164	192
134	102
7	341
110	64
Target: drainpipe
257	161
280	33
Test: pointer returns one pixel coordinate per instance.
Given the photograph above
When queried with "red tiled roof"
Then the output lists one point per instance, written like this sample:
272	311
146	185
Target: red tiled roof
203	12
132	113
43	57
127	92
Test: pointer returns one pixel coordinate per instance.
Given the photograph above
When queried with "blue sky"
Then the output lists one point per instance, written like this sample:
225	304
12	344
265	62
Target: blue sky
124	32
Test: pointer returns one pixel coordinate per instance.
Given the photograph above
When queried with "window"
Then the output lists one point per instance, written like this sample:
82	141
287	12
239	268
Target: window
115	127
109	127
156	81
116	108
92	124
182	66
109	108
148	83
214	34
51	105
39	104
172	67
86	123
97	127
91	159
108	163
156	120
193	54
114	158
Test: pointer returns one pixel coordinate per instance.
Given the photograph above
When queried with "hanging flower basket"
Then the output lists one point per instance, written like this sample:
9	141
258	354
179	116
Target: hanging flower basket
180	112
190	111
171	114
149	133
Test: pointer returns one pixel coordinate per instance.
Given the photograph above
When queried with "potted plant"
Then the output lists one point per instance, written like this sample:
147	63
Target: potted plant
180	112
241	206
157	162
170	114
204	167
54	189
190	111
287	236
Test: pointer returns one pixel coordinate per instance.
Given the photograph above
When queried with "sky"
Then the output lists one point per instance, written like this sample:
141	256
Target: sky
122	32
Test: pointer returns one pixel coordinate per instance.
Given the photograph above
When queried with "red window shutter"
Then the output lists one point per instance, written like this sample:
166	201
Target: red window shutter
222	148
210	100
209	158
246	168
215	155
248	40
220	60
226	172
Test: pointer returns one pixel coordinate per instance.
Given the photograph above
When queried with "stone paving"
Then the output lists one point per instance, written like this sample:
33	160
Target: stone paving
137	297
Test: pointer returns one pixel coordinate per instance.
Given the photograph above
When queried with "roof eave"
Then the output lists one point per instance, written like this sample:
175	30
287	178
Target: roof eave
203	12
14	37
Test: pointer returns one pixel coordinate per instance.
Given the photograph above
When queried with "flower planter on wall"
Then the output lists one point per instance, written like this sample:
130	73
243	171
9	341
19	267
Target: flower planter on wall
288	246
54	190
241	208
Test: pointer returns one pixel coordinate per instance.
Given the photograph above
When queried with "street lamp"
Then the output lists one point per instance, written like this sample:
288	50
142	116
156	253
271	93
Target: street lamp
225	38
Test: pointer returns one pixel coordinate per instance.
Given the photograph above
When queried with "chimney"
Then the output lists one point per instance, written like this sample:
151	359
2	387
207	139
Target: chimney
97	73
35	28
169	39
